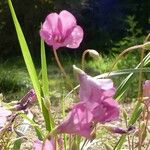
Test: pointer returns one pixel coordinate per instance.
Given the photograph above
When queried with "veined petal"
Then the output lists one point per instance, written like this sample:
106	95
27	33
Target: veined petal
75	37
67	22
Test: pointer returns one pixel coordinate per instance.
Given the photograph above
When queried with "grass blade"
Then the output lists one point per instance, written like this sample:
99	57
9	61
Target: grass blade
26	54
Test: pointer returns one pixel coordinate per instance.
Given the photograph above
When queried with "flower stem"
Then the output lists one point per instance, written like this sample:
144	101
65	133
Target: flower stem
59	64
125	51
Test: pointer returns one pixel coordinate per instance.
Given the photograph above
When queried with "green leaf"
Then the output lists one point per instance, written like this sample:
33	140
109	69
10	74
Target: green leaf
26	54
29	63
45	82
127	81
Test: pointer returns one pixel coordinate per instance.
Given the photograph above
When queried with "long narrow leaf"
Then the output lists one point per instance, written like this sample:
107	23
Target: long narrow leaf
45	88
26	54
127	81
45	82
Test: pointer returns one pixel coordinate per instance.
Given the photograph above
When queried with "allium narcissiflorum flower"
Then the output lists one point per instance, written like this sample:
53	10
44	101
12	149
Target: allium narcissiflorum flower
96	105
61	30
4	113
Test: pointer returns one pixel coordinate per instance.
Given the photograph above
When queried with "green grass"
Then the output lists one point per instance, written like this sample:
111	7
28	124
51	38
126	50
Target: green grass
15	81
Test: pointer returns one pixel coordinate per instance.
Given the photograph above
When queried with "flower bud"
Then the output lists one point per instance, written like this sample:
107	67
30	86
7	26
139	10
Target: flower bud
93	53
146	45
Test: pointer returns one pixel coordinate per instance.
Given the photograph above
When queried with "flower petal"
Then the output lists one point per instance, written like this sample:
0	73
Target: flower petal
67	22
79	121
111	111
75	38
49	28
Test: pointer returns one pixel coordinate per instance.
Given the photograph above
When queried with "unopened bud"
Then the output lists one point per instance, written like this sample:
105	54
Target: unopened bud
146	45
93	53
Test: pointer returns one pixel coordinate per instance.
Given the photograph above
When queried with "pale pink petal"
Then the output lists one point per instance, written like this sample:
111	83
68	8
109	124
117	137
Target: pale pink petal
67	22
49	28
107	111
95	90
2	121
4	112
75	38
79	121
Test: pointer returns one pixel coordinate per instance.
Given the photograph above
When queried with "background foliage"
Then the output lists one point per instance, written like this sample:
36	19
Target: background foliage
107	23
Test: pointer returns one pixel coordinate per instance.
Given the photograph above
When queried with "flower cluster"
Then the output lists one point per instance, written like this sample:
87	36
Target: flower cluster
96	105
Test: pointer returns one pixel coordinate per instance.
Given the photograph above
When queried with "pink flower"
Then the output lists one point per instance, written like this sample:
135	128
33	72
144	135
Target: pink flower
96	105
98	95
61	30
79	121
4	113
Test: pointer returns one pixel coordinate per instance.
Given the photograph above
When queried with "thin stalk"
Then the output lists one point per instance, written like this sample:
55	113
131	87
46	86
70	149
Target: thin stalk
125	51
128	135
140	97
59	64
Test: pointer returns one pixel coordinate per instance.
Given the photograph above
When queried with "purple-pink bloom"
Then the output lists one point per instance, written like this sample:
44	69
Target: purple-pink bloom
96	105
78	121
4	113
61	30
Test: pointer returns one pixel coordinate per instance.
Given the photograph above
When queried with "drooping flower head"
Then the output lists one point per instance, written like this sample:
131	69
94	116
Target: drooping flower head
98	95
61	30
96	105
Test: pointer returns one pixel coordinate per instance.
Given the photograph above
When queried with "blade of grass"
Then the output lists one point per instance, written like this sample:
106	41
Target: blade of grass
28	62
127	81
26	54
45	88
45	82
